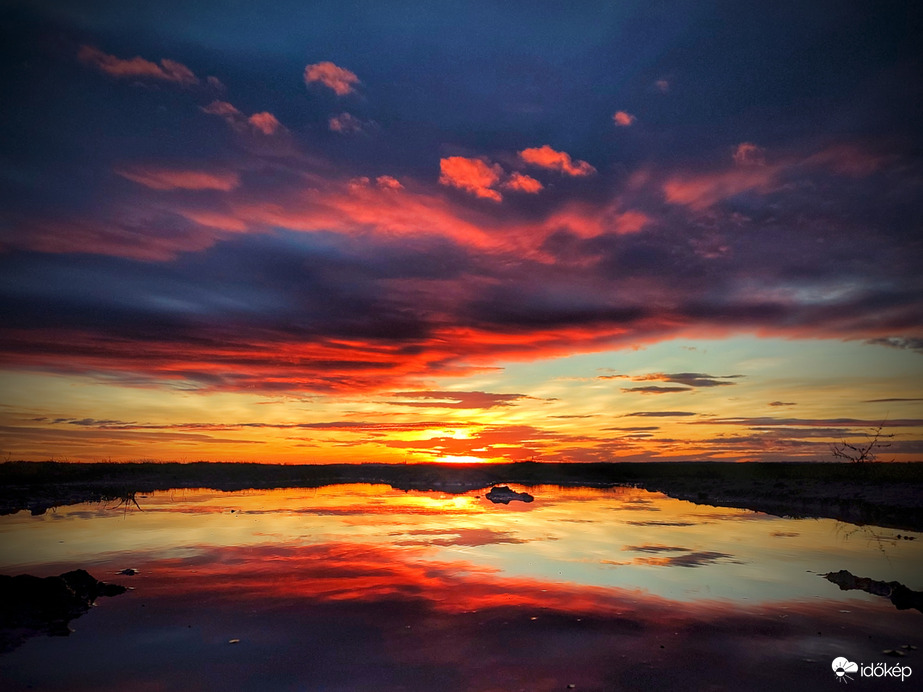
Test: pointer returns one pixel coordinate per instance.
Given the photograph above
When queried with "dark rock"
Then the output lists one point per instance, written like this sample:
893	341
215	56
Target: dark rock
31	605
504	495
902	597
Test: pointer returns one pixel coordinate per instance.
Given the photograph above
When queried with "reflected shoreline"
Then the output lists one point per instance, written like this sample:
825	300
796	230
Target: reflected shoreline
887	495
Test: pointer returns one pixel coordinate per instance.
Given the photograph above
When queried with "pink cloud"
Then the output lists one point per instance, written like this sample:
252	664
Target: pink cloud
137	67
546	157
337	78
523	183
700	191
748	154
623	119
265	122
216	84
386	182
472	175
662	85
345	123
180	179
848	159
221	108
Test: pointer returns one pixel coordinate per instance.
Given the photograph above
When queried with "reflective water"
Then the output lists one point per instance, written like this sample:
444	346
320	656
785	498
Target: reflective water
364	587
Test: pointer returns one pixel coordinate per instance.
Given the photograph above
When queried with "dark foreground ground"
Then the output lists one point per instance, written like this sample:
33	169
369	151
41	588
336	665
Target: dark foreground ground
884	494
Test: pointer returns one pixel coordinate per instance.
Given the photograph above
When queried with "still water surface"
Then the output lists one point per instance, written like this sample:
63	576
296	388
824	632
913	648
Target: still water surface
363	587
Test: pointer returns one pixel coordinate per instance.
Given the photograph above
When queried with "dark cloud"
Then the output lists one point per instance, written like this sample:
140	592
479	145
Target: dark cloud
693	559
689	379
834	423
655	549
655	389
662	414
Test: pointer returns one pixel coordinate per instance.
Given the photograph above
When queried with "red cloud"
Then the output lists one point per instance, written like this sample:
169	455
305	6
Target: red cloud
546	157
523	183
167	70
179	179
472	175
265	122
623	119
337	78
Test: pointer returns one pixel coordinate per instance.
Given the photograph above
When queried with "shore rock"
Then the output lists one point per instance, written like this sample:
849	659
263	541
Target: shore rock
504	495
30	605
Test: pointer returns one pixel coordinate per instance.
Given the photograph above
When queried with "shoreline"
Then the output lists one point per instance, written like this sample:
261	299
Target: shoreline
889	495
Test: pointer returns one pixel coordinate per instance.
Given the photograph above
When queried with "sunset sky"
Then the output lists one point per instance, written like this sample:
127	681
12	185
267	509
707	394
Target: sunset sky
310	232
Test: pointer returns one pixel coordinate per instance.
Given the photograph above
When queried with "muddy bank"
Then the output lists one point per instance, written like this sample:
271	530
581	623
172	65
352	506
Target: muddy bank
889	495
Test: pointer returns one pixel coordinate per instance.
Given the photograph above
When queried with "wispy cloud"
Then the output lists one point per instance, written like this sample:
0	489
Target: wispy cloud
158	178
688	379
446	399
137	67
345	123
339	79
661	414
748	154
546	157
654	389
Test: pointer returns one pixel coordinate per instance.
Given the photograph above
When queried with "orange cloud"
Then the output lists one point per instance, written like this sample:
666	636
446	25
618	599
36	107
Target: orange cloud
265	122
178	179
623	119
546	157
472	175
138	67
337	78
523	183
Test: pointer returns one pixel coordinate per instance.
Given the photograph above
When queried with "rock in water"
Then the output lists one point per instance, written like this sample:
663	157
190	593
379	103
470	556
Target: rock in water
31	605
504	495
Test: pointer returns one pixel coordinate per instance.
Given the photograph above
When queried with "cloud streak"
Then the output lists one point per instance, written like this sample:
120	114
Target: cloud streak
137	68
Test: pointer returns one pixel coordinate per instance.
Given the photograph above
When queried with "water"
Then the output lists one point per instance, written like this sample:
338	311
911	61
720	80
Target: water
362	587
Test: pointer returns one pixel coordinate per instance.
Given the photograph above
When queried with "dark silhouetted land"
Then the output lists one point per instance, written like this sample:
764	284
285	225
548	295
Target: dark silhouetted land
883	494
